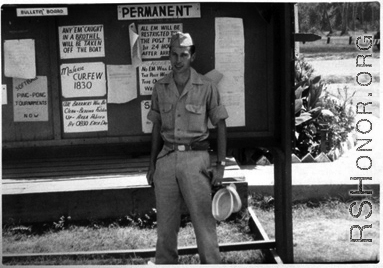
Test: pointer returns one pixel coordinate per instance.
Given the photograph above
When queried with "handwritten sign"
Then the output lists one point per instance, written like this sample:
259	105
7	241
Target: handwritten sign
81	41
83	79
85	116
150	72
30	99
159	11
147	125
155	39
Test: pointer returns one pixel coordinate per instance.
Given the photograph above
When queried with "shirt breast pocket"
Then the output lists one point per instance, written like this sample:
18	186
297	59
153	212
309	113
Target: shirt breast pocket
166	115
196	116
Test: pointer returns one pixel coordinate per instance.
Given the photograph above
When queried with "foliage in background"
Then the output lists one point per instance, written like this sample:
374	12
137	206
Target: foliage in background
319	112
338	16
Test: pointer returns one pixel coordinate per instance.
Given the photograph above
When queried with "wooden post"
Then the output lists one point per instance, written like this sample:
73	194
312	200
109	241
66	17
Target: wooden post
282	164
53	79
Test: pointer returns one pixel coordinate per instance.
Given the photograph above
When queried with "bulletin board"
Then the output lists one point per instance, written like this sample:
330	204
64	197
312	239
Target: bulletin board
99	84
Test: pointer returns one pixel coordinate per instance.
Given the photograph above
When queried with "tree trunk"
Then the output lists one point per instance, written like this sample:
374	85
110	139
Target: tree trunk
326	21
344	19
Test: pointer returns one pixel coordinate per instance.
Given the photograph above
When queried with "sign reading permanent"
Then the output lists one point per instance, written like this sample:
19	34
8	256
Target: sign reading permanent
43	11
150	72
30	99
85	116
81	41
83	79
159	11
155	39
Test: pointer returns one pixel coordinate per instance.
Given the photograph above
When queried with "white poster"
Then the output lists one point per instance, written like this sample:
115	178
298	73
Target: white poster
230	61
122	83
81	41
155	39
150	72
85	116
20	58
83	79
30	99
147	125
135	46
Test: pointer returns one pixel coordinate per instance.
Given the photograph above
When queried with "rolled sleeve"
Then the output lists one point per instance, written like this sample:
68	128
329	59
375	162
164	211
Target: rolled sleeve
217	110
217	114
154	113
154	116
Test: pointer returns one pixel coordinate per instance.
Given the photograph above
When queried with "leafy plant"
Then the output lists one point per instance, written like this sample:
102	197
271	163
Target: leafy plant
142	220
319	112
62	223
341	120
308	91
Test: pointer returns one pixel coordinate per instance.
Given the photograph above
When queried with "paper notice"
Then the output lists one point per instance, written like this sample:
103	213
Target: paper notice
150	72
122	83
85	116
83	79
155	39
81	41
20	58
147	125
30	99
135	46
230	61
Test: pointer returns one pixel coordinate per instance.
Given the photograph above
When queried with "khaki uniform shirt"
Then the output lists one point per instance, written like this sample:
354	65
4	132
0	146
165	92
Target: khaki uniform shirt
184	118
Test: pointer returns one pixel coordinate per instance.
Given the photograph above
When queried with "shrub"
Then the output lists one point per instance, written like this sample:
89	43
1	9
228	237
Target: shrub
319	112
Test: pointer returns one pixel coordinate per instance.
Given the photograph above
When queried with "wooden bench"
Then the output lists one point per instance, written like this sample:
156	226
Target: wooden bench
43	188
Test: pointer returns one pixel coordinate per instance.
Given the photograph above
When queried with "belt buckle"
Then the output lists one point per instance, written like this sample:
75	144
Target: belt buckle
181	148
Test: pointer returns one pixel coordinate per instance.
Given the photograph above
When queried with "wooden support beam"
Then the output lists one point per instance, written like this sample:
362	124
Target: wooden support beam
282	153
260	234
143	253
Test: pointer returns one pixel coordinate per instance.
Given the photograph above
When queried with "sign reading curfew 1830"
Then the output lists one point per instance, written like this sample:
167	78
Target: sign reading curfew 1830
159	11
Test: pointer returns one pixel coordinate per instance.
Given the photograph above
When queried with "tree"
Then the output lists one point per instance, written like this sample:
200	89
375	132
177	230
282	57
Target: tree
344	30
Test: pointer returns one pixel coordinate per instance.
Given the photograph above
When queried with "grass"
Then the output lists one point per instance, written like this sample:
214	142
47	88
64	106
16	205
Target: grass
111	235
321	230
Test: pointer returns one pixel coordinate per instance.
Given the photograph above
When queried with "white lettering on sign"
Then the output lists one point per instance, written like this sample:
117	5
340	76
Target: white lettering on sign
30	99
83	79
45	11
159	11
85	116
155	39
150	72
81	41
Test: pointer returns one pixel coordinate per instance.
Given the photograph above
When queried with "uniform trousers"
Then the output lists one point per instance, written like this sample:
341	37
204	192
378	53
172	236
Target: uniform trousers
178	177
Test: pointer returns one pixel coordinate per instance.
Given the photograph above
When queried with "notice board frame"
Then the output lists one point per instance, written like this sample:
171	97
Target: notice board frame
277	26
261	100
